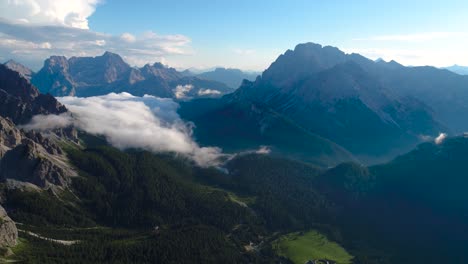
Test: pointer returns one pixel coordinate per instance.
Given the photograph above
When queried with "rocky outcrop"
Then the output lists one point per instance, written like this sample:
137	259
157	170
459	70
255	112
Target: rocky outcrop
24	71
44	165
91	76
20	101
10	136
8	231
30	157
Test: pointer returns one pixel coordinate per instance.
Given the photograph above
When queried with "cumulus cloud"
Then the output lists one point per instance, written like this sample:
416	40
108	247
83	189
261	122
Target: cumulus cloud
203	92
126	121
70	13
32	43
181	91
440	139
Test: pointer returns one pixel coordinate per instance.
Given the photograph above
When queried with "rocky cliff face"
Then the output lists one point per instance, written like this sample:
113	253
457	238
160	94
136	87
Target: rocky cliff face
90	76
24	71
339	97
10	136
8	231
20	101
42	165
32	157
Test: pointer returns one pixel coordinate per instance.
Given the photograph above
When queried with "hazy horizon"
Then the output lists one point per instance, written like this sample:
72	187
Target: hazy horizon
243	35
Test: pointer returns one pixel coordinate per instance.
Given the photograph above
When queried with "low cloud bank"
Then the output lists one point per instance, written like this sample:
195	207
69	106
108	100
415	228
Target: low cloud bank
181	91
440	139
147	122
203	92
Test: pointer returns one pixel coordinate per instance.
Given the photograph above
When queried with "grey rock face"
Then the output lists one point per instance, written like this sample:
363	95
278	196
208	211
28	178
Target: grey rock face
30	157
24	71
92	76
19	100
8	231
340	97
10	136
44	166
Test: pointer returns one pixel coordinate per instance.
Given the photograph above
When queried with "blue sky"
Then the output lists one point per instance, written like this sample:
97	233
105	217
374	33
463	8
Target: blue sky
251	34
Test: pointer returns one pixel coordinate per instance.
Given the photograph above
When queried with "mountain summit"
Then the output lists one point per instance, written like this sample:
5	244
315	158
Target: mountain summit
89	76
338	96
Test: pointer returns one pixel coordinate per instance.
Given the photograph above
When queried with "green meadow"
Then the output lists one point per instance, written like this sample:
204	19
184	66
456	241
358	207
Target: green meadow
310	246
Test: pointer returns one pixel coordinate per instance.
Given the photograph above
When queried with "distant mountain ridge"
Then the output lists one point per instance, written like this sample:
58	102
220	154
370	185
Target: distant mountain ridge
231	77
462	70
240	126
89	76
340	97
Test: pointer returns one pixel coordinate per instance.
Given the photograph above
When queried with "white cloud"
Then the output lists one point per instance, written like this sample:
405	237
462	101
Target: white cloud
181	91
70	13
263	150
244	52
127	121
426	138
203	92
440	139
31	44
128	37
48	122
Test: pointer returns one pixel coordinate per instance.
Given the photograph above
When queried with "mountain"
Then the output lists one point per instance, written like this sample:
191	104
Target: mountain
231	77
336	97
29	161
29	156
21	69
410	206
239	126
444	91
73	196
462	70
89	76
19	100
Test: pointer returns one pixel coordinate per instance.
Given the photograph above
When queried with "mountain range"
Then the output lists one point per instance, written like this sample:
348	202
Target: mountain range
20	101
231	77
78	76
347	99
294	142
462	70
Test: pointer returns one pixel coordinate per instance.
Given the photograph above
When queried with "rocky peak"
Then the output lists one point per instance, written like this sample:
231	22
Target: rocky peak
20	101
306	59
14	84
21	69
33	158
161	71
56	64
106	68
42	165
158	65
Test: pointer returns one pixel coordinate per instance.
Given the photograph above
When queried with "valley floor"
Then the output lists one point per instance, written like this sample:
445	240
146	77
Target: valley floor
301	247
